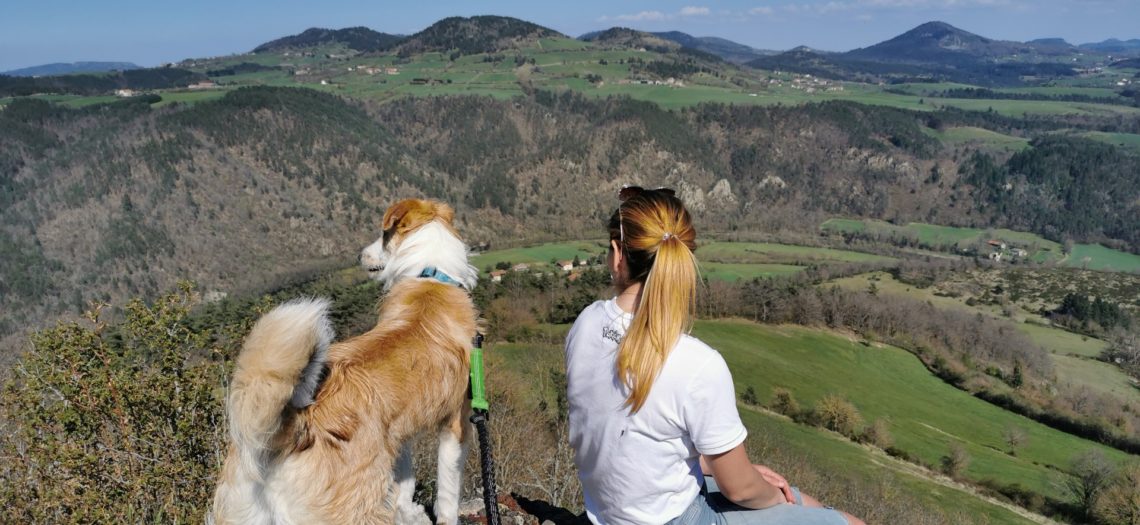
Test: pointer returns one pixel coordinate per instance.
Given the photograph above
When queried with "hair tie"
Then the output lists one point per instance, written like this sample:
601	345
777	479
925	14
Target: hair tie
666	236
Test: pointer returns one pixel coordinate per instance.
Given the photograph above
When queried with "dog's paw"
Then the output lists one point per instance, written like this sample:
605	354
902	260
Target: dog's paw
412	514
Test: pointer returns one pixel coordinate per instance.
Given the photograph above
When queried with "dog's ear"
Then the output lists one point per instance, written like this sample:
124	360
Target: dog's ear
396	214
443	211
406	215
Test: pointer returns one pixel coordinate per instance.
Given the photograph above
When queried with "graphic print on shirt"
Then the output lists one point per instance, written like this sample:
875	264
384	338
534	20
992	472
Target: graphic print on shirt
611	334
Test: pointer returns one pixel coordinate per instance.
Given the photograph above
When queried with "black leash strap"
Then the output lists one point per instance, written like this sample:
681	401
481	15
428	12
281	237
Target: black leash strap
479	417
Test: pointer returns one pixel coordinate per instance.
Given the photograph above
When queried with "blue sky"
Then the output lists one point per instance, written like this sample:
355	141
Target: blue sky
151	32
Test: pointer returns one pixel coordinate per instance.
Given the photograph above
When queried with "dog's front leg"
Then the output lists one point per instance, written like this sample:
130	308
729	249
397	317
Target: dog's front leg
452	455
408	512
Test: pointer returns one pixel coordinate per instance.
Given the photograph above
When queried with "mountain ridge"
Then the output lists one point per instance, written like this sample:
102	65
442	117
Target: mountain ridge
473	35
358	38
70	68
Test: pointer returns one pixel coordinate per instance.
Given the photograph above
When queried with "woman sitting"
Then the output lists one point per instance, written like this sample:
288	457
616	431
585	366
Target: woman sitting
653	409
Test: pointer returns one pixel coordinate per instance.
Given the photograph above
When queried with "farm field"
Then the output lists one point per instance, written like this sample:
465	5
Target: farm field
719	260
776	440
1088	256
925	414
745	271
721	251
561	64
1074	355
1097	257
541	254
1125	140
971	136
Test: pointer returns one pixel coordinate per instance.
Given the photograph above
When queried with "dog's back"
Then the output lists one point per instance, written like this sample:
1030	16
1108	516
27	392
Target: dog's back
309	452
279	365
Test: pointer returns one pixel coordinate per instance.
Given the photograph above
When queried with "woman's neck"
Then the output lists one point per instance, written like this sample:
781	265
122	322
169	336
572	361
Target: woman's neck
629	298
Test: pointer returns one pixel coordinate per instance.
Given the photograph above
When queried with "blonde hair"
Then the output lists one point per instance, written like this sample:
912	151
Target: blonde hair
657	239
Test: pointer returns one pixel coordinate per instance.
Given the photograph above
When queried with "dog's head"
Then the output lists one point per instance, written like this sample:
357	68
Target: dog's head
418	234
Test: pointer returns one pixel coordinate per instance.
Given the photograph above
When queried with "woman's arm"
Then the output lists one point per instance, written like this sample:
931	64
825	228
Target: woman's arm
740	481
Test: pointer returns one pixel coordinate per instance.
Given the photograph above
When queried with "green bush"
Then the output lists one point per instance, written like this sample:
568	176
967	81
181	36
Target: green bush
838	415
784	402
120	424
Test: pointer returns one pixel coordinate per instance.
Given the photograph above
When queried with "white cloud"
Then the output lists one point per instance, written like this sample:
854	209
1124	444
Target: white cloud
836	6
763	10
694	11
643	16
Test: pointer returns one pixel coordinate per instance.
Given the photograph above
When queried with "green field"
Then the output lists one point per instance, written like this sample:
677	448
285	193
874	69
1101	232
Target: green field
758	252
1097	257
719	260
1074	355
1090	256
541	254
190	97
926	415
971	136
745	271
1124	140
560	64
819	362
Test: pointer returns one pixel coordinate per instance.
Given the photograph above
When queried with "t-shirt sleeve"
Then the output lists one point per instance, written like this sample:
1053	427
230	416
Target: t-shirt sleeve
710	410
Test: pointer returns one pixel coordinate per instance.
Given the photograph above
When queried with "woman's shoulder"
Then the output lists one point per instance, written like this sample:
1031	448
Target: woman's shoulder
595	312
695	354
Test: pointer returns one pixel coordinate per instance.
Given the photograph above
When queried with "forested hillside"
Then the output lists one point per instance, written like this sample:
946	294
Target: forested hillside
237	194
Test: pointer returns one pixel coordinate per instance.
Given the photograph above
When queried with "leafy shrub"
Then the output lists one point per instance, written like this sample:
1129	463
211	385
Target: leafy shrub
114	425
878	434
749	396
784	402
954	463
839	415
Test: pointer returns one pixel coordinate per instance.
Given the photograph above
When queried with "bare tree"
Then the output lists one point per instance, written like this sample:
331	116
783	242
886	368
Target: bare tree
1015	437
1091	473
1120	502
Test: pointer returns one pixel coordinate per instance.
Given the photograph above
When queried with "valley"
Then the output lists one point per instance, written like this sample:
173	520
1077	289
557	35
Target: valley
939	232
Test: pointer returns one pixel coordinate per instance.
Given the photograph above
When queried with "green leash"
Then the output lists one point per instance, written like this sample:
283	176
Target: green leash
478	390
479	417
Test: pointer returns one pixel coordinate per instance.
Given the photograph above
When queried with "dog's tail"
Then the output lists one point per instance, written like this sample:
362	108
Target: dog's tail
281	363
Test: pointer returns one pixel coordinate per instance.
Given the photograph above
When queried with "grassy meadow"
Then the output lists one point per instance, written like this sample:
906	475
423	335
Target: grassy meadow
816	363
562	63
719	260
1087	256
1074	355
925	414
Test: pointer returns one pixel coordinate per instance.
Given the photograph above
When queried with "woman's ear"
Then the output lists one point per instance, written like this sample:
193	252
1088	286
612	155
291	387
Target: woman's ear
618	258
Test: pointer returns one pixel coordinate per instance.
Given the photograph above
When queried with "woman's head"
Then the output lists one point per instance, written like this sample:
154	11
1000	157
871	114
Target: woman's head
652	236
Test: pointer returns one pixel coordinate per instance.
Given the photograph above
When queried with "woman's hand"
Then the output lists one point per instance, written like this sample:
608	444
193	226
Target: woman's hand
778	481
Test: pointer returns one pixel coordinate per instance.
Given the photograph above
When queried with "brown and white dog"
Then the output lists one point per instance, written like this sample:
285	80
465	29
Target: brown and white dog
321	432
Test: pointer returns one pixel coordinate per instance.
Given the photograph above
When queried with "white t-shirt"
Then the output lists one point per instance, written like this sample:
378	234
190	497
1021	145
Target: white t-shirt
644	468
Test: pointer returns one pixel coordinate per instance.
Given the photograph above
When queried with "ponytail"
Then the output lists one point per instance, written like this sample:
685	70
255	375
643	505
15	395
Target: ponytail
659	243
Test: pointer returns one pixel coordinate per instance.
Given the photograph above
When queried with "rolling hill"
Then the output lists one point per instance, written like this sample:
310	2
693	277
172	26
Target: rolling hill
477	34
70	68
934	51
631	38
361	39
1114	45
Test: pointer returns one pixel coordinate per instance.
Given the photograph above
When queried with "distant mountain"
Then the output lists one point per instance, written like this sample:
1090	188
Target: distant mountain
70	68
803	59
1114	45
137	79
361	39
1128	62
934	51
942	43
626	37
478	34
726	49
1050	42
